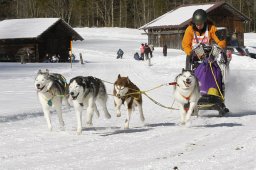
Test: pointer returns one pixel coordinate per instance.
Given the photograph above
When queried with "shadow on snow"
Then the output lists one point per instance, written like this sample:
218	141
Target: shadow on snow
160	124
221	125
125	131
19	117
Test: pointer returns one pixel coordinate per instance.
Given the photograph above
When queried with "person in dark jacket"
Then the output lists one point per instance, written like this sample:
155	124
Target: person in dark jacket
165	50
120	54
151	46
146	51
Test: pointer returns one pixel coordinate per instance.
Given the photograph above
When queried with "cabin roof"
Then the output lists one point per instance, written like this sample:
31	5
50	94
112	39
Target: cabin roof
181	16
31	28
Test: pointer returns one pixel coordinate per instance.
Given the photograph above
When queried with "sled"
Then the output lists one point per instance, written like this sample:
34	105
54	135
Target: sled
211	78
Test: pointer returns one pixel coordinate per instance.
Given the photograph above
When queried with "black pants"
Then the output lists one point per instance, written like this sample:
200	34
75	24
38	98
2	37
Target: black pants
188	62
151	55
192	62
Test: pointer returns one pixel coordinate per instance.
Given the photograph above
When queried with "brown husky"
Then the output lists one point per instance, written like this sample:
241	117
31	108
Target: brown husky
126	91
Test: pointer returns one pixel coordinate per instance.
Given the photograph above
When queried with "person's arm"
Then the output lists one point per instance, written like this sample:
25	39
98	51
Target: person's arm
221	43
187	40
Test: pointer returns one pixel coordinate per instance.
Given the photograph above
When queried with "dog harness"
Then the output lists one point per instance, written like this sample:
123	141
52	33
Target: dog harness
49	102
201	39
81	104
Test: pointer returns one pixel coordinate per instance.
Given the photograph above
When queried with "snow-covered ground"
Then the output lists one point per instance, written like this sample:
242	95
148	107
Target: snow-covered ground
210	142
250	39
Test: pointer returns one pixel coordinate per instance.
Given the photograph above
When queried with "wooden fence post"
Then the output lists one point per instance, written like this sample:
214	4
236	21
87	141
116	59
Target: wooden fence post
81	58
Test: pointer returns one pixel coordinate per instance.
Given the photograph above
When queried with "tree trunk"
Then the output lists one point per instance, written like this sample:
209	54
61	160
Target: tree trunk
144	11
120	14
112	13
254	16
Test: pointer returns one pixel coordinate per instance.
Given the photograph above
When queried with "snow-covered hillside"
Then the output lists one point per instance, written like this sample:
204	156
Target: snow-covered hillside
210	142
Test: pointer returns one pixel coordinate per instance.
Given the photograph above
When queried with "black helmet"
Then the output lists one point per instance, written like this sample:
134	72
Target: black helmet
199	16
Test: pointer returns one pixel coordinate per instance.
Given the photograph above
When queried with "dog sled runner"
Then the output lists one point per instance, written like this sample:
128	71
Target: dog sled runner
208	71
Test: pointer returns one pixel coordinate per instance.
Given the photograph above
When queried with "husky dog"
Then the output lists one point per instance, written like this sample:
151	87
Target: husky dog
187	94
126	91
85	91
51	89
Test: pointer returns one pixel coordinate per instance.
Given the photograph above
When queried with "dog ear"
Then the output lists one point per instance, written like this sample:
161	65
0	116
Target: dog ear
81	80
119	76
84	82
128	80
183	70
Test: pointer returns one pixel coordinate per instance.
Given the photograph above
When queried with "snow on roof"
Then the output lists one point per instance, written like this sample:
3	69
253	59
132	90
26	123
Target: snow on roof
25	28
178	16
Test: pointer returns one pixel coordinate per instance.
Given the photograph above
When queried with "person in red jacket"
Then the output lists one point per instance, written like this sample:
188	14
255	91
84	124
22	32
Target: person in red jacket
142	49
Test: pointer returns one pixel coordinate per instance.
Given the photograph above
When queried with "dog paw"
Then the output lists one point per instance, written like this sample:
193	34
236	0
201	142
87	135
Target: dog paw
79	131
126	125
194	114
97	114
62	123
89	124
118	114
108	116
182	123
142	118
187	119
62	128
188	124
50	128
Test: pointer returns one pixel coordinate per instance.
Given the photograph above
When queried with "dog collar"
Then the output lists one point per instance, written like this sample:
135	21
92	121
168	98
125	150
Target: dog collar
122	98
187	98
173	84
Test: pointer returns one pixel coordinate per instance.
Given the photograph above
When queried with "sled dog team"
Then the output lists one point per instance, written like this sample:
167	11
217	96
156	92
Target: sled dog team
84	92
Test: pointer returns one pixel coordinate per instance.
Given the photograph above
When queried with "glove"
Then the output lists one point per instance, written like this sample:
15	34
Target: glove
216	50
199	51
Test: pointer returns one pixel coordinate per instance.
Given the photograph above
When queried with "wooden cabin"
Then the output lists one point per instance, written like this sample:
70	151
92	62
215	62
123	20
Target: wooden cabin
36	38
169	28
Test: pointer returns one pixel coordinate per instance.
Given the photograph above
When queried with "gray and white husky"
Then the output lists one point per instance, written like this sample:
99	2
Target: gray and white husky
85	91
187	94
51	88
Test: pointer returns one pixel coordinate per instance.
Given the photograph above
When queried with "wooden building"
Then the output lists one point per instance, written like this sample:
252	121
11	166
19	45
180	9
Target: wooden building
169	28
36	38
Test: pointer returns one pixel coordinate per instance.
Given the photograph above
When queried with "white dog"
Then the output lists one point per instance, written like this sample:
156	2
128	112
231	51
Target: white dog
85	91
51	89
187	94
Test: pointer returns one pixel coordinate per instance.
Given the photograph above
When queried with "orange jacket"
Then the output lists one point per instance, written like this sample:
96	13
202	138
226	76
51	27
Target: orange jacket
189	35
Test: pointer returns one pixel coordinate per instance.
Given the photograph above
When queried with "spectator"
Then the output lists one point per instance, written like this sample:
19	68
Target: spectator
151	50
234	40
120	53
146	51
142	51
165	50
